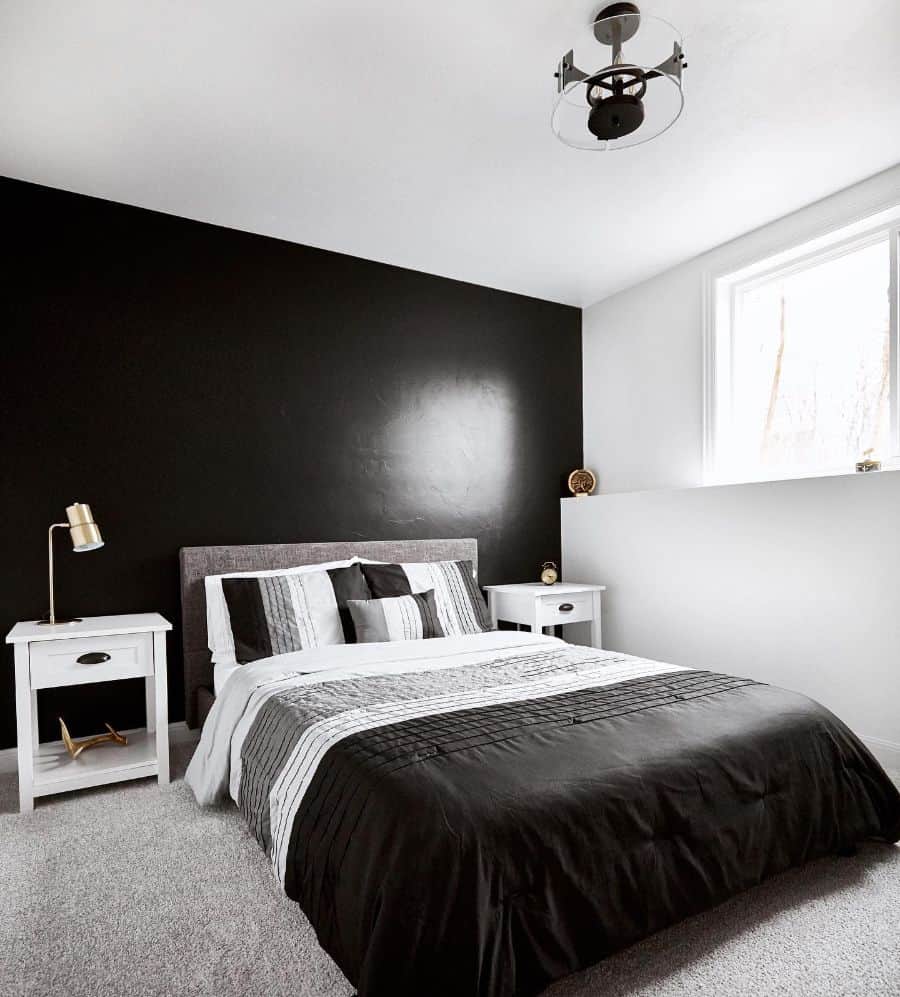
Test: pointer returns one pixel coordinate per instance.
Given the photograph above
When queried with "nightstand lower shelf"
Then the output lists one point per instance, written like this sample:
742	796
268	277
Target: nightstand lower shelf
55	771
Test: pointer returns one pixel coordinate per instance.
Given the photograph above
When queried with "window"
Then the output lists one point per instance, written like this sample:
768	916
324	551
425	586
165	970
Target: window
801	355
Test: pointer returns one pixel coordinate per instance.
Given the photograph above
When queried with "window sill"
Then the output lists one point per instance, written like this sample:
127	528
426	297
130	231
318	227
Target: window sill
715	480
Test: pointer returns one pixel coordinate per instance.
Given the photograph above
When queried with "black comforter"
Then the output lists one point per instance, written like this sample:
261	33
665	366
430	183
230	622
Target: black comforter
488	849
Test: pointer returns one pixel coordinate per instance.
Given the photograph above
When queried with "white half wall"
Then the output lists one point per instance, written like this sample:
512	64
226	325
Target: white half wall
796	583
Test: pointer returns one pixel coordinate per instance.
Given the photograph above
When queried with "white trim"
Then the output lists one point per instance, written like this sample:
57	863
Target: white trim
887	752
752	249
791	263
709	376
179	733
894	295
792	474
829	240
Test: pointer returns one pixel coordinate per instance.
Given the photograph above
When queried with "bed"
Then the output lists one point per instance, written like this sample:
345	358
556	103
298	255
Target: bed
478	816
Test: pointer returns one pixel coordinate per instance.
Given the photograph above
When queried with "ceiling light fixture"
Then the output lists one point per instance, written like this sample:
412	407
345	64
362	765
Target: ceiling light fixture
623	103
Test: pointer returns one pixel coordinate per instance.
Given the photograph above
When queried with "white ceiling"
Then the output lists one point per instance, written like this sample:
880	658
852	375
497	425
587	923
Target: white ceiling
418	134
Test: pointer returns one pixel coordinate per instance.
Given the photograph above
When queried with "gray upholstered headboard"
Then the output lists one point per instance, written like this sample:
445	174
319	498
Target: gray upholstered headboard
198	562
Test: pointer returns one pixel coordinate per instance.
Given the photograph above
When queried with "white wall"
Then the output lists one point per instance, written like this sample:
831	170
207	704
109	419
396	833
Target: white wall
792	582
643	350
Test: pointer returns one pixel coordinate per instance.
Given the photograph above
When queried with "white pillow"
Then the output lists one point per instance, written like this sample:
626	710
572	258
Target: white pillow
368	560
218	622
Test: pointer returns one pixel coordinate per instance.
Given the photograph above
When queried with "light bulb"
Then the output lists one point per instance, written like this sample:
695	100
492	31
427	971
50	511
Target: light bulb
619	60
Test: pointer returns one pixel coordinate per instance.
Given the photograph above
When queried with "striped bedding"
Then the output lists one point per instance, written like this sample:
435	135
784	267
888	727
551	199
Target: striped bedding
481	815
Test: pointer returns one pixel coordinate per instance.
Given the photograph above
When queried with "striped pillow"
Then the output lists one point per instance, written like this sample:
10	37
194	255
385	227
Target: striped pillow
278	614
218	626
403	617
459	602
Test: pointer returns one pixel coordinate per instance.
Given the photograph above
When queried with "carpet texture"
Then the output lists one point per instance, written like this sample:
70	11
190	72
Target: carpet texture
132	890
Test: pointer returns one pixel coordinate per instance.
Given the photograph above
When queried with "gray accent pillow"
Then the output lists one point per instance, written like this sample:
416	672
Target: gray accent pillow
460	604
404	617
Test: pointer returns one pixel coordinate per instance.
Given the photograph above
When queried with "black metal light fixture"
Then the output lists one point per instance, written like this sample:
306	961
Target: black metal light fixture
622	103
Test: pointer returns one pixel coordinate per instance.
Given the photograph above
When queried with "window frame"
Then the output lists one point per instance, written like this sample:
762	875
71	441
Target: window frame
720	289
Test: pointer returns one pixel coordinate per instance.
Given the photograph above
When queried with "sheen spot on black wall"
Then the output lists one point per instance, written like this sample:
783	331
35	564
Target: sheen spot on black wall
198	385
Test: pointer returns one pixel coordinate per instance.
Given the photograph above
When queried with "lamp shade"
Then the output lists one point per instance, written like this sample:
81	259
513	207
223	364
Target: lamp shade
84	531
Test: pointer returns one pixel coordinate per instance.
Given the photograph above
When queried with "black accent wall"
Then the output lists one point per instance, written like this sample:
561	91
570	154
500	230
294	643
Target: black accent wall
198	385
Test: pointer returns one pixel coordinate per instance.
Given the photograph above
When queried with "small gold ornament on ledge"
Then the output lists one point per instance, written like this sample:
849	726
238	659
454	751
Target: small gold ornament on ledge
868	463
582	482
76	747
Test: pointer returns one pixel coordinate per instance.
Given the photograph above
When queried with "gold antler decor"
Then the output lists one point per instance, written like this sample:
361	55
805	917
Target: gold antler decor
76	747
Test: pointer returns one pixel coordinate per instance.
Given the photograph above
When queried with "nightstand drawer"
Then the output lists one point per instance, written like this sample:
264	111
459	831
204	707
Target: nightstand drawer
99	659
574	608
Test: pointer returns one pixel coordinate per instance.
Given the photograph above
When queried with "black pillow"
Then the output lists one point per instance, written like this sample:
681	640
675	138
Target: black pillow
348	583
386	580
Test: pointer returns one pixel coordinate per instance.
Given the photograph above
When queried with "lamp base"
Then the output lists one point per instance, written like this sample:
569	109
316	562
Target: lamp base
59	620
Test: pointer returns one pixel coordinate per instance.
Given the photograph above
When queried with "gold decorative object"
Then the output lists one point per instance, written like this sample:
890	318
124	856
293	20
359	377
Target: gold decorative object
549	573
76	747
582	482
868	463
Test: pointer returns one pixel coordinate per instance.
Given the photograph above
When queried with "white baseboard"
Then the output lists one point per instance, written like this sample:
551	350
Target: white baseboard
887	752
179	733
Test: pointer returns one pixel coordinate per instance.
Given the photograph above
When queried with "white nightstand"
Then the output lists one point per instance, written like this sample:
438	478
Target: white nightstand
95	649
539	605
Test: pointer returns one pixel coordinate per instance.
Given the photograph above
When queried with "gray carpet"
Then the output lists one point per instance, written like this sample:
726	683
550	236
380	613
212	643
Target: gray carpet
130	890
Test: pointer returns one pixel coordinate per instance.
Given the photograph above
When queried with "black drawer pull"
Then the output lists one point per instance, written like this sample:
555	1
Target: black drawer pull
565	607
93	658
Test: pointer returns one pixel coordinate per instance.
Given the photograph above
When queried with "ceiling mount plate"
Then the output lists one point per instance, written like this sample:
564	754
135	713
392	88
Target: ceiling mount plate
617	23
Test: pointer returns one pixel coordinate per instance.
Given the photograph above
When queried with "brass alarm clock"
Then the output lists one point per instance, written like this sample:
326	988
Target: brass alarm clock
549	573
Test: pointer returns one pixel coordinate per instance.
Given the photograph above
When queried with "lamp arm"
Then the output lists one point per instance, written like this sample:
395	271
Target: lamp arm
53	527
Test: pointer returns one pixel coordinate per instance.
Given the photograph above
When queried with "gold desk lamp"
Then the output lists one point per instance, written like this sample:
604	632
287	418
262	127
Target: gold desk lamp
85	536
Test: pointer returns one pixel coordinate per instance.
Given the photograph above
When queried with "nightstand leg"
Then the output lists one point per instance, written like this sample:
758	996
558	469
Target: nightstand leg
25	742
35	737
150	696
162	707
596	623
492	609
